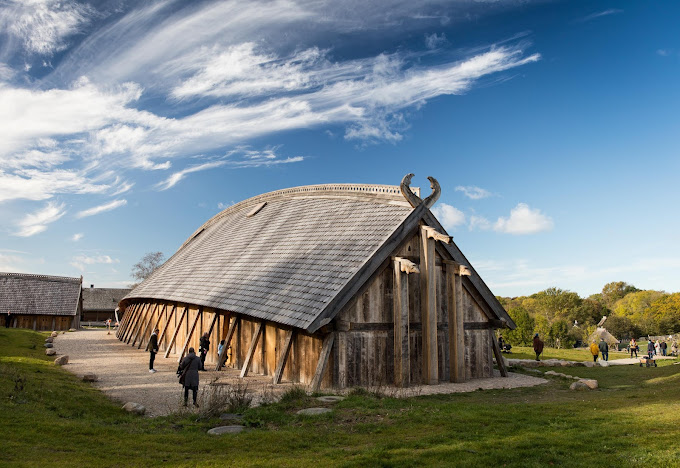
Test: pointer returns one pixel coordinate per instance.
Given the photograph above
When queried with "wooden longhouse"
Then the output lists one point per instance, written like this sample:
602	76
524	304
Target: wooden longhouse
335	285
40	302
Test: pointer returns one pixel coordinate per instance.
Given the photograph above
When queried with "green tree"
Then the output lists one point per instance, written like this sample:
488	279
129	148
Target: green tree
555	303
621	327
665	312
522	335
560	329
612	292
589	312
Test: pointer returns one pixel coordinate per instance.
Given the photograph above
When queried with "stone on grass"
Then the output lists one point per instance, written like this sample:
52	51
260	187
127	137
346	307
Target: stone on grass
134	408
48	345
591	383
529	363
90	377
61	360
578	386
578	364
330	398
603	363
54	334
551	372
313	411
588	363
51	352
71	329
49	339
226	430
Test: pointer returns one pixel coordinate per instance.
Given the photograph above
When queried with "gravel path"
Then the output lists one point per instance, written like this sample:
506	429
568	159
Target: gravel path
124	376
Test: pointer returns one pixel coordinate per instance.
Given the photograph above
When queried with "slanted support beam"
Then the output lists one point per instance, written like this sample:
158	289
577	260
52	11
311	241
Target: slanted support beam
227	341
138	324
174	335
142	324
134	314
428	308
285	351
402	358
123	326
323	362
146	327
454	294
191	333
155	325
167	323
497	353
251	350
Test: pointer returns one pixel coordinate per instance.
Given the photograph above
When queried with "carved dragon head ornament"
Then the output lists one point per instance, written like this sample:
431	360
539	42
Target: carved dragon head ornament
414	199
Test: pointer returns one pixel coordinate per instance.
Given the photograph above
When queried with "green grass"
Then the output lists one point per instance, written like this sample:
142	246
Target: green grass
631	420
571	354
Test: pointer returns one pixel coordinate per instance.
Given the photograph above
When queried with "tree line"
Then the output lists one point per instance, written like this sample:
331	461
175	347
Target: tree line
560	314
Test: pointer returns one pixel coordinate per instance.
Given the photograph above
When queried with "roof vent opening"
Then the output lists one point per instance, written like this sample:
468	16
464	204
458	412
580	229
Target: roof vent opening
256	210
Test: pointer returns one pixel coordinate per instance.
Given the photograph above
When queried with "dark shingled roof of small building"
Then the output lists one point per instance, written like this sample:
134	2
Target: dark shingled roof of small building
284	256
103	299
22	293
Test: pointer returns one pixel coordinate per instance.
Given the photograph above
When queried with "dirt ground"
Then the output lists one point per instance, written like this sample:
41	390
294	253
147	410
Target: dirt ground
123	374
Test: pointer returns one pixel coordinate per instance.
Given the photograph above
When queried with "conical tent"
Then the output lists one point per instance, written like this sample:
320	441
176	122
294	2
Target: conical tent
602	332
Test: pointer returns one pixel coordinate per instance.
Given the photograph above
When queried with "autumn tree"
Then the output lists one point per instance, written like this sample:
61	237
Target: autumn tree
612	292
523	334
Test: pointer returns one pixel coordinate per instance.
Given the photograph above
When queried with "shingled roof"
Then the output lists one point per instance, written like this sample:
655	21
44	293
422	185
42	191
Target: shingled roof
103	299
39	294
288	256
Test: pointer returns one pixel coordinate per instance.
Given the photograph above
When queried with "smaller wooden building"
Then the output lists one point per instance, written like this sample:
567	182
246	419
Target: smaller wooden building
100	304
40	302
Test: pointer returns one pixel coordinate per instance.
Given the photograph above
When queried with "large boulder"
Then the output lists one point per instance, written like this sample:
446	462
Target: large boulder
225	430
90	377
61	360
51	352
578	386
49	339
591	383
589	363
134	408
603	363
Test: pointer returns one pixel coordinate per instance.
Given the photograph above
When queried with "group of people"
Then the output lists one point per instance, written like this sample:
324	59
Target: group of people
601	348
188	368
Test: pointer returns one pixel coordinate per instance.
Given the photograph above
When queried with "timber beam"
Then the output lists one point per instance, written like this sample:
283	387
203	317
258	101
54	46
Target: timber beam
227	340
323	361
191	333
454	306
428	308
402	355
281	364
174	335
251	350
432	233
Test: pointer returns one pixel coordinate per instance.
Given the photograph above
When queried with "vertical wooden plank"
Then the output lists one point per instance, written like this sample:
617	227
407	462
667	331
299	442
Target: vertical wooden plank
402	354
283	357
174	335
323	361
227	340
251	350
191	332
158	321
142	324
455	319
167	322
428	308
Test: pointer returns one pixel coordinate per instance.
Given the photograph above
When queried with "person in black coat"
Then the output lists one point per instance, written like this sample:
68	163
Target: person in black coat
204	348
192	364
153	349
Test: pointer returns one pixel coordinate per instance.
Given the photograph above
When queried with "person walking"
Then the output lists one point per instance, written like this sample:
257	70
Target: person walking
604	349
204	348
189	370
594	350
538	346
633	347
153	349
650	349
664	347
657	348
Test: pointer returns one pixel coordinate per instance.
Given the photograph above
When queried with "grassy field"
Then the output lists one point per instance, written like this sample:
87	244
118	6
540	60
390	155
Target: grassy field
48	417
571	354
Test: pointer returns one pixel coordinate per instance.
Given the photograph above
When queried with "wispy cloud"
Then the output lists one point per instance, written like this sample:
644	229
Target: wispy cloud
174	178
524	220
37	222
101	208
81	261
76	237
432	41
473	192
600	14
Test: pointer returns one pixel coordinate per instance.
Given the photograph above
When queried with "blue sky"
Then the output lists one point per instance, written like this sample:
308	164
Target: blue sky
552	127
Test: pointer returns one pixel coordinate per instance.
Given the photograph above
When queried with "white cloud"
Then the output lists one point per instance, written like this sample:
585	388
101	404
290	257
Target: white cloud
432	41
599	14
479	222
473	193
80	261
43	25
524	220
664	52
77	236
121	187
101	208
37	222
174	178
449	216
33	184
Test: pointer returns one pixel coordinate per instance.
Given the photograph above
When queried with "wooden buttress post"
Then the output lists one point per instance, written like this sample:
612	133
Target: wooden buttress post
191	332
402	355
132	314
251	350
428	308
454	294
174	335
138	322
281	364
146	327
165	327
323	361
142	324
227	341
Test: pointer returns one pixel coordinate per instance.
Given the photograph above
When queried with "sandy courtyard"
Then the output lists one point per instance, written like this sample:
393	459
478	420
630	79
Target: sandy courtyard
123	373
